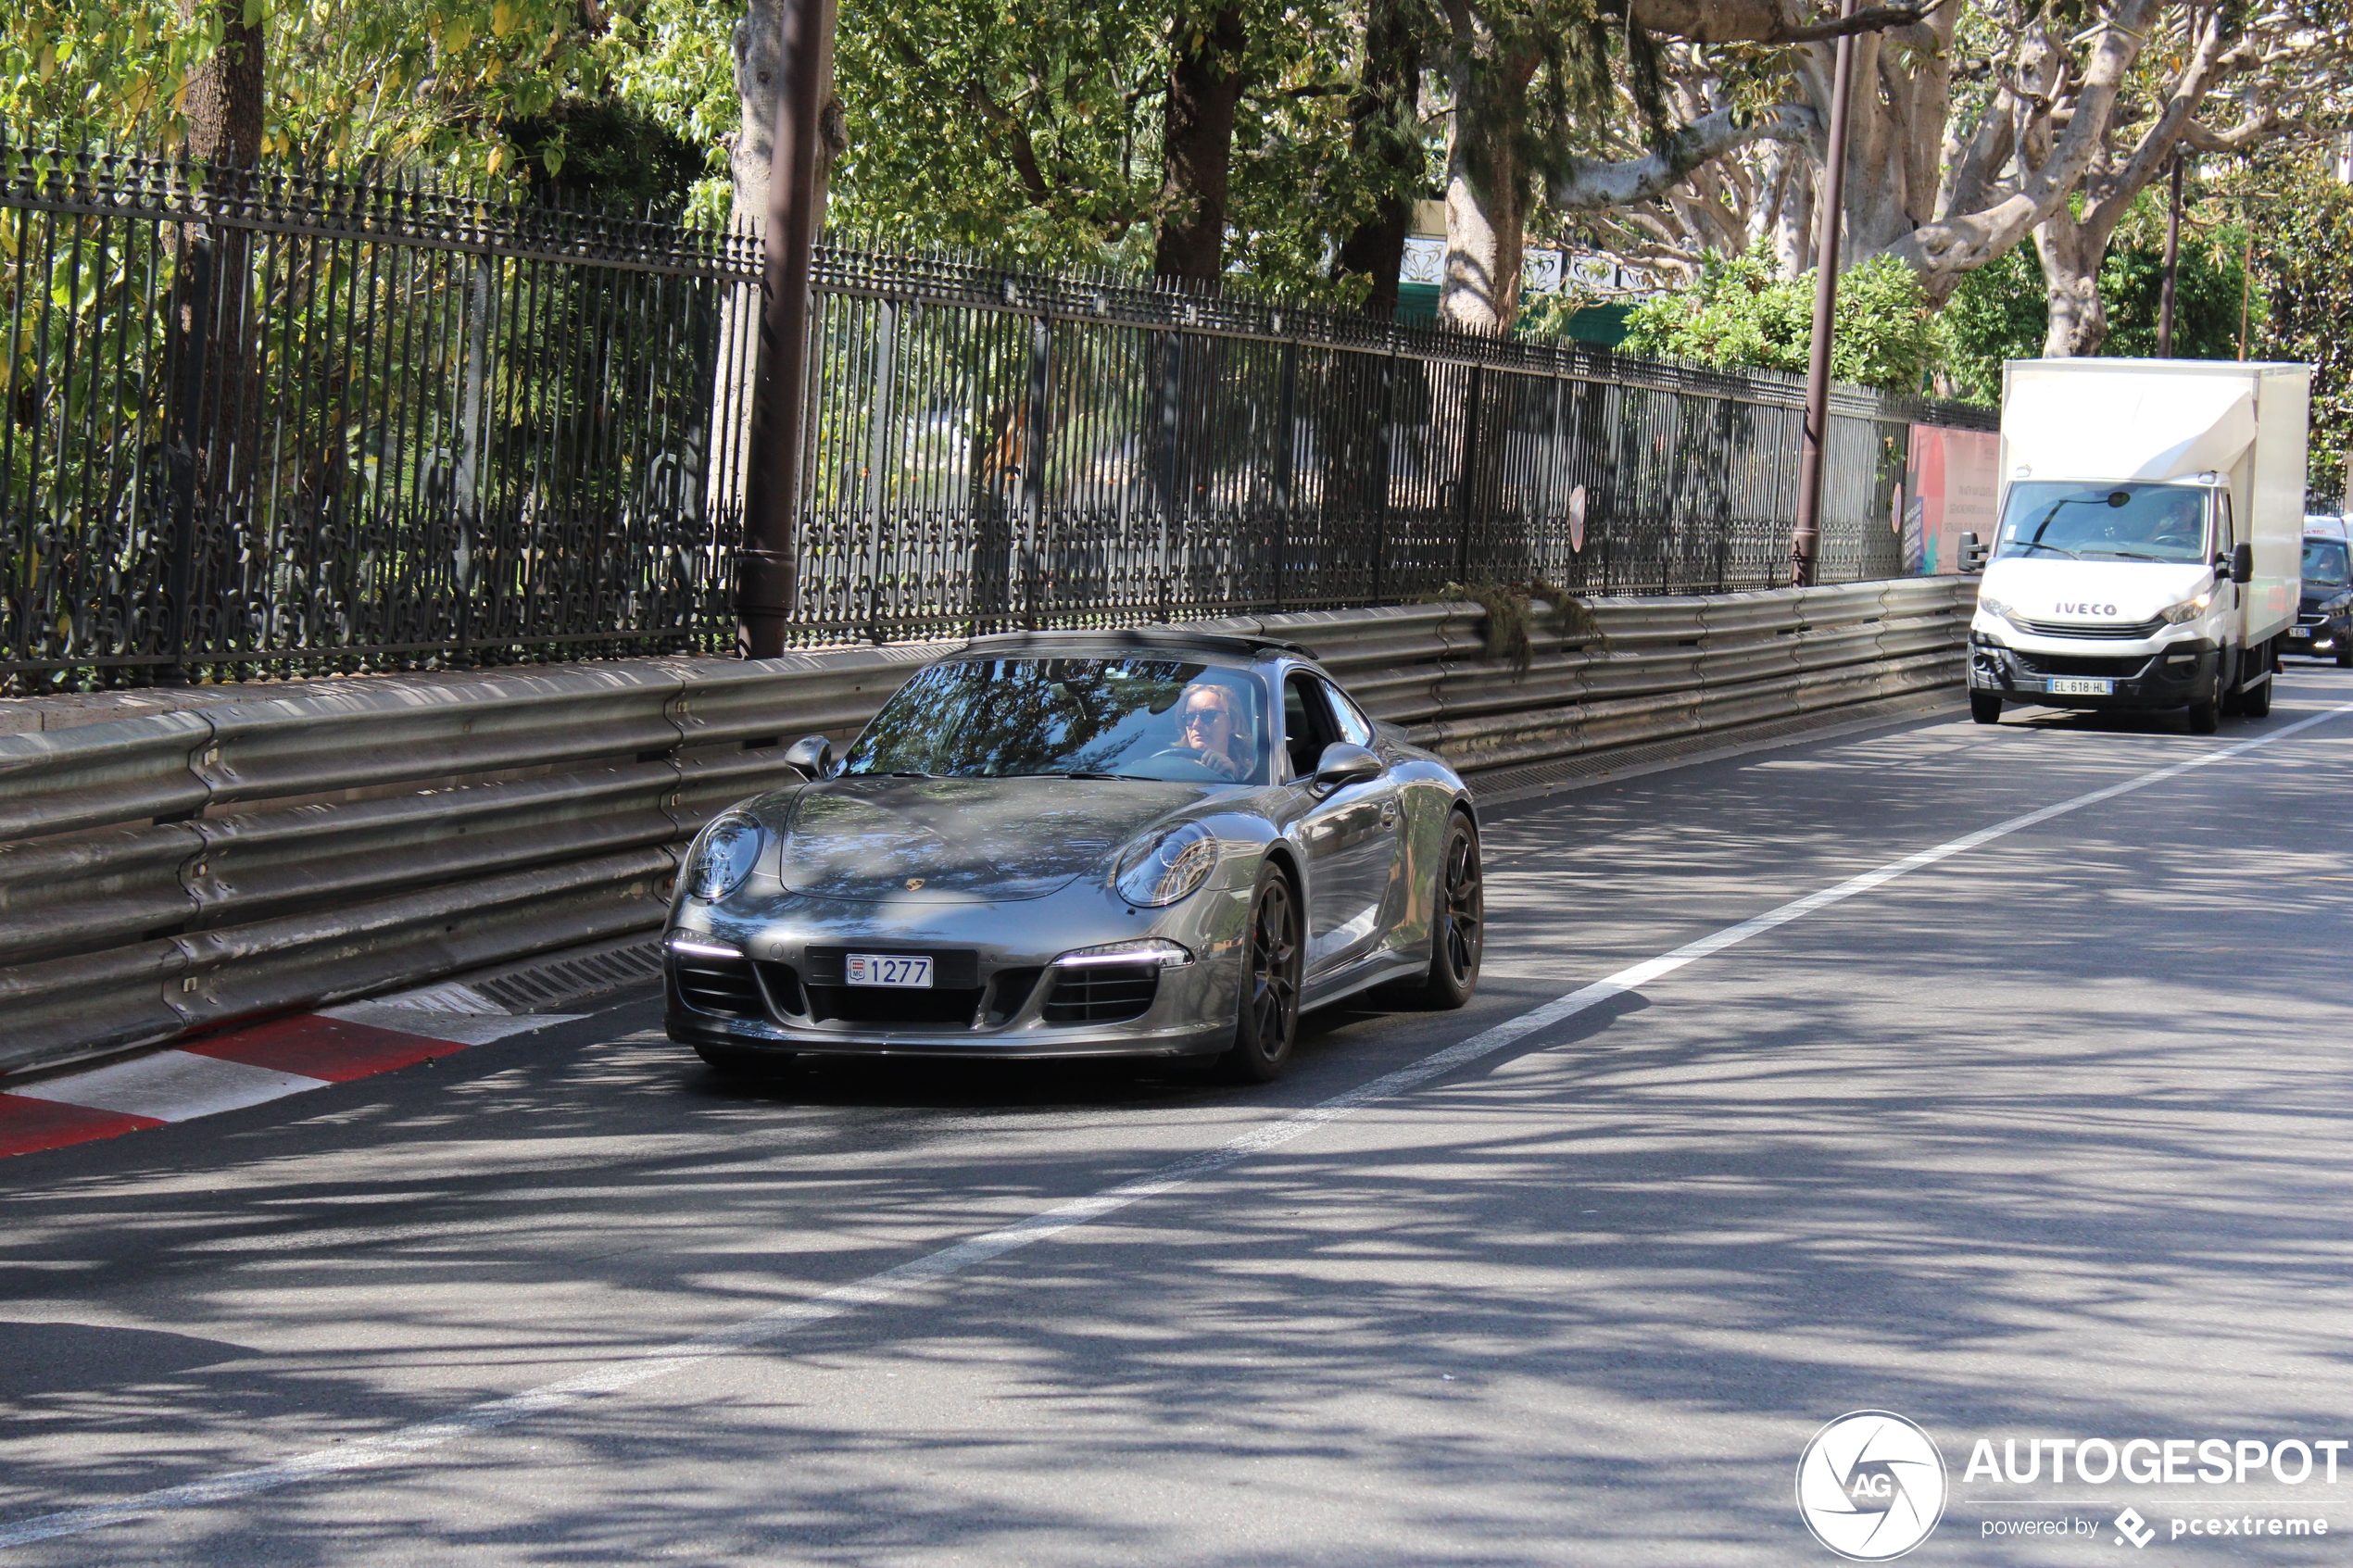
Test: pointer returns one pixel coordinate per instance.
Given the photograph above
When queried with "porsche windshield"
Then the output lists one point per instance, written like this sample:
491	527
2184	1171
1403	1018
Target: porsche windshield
2053	520
1086	718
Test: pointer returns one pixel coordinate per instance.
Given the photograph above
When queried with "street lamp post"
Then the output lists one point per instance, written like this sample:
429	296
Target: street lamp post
2173	265
768	558
1805	541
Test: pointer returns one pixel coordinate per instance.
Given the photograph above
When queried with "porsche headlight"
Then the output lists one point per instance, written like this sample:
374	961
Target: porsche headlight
2188	609
1167	868
722	857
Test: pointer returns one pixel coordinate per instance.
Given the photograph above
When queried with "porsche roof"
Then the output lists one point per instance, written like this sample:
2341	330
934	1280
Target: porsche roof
1156	639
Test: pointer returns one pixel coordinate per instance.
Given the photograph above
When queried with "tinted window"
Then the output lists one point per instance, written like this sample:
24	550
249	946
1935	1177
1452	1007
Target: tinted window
2325	563
2056	520
1307	723
1009	718
1354	728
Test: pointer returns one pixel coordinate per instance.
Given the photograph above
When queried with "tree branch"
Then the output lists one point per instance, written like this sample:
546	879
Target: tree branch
1768	21
1580	184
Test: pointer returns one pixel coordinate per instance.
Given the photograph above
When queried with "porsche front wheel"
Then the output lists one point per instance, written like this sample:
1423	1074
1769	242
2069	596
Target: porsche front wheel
1272	953
1458	921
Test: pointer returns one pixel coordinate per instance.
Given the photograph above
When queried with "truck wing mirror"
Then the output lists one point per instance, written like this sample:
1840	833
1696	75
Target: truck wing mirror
1972	554
2243	563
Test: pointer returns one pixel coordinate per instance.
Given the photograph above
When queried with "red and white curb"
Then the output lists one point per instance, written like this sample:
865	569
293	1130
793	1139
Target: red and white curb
252	1066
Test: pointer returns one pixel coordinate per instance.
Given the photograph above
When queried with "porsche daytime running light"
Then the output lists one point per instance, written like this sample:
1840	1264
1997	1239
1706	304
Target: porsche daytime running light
722	857
2188	609
1149	949
1171	867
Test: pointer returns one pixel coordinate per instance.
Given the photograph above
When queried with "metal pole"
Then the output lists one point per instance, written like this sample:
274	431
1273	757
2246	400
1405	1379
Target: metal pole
2173	265
767	560
1805	540
2246	284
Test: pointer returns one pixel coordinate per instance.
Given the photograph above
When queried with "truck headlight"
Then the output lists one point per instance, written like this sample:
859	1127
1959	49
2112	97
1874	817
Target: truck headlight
722	857
1993	606
2188	609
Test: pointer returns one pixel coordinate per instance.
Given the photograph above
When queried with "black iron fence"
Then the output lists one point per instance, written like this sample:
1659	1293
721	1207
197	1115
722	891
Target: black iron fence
265	423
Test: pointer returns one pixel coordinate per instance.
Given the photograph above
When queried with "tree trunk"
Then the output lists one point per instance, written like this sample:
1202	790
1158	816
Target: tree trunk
225	103
2071	286
212	403
757	39
1386	137
1487	188
756	43
1204	82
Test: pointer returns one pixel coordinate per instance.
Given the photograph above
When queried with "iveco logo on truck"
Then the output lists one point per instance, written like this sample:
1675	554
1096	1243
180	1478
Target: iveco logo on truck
2086	609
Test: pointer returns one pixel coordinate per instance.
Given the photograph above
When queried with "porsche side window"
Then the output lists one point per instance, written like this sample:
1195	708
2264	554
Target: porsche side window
1354	728
1307	722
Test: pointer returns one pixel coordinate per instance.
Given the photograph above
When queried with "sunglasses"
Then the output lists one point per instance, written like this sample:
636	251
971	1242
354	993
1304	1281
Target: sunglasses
1206	716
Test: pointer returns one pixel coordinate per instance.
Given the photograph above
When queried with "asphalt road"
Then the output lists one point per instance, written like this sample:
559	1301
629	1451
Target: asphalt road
2045	1138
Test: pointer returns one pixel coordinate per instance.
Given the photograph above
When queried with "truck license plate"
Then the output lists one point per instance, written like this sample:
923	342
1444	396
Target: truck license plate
890	969
2078	686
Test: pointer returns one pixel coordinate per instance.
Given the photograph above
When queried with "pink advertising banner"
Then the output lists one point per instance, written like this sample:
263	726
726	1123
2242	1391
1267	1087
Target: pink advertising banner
1950	481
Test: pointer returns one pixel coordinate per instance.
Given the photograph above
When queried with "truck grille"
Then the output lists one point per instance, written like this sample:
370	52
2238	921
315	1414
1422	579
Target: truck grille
2102	630
1102	993
2076	664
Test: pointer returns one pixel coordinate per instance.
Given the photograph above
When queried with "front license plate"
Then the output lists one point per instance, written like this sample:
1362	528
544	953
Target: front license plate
2077	687
890	969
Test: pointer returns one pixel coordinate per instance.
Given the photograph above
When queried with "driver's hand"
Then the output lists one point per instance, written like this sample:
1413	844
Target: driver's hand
1220	764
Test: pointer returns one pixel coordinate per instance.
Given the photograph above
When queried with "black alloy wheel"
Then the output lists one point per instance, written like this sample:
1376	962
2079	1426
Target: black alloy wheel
1272	955
1458	919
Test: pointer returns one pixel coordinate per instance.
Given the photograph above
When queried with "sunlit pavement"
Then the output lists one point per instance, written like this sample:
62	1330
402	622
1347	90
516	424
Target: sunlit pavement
2049	1139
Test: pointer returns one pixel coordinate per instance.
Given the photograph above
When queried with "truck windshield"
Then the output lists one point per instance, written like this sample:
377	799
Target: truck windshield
2325	563
2124	520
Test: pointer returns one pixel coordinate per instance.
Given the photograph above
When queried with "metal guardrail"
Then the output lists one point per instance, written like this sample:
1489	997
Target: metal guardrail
179	871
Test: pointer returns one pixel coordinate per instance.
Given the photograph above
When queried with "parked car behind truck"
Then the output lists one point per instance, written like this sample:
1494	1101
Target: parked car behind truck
2324	617
2147	554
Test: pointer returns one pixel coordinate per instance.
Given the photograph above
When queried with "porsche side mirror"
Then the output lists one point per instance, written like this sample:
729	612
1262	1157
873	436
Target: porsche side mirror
812	756
2243	564
1342	765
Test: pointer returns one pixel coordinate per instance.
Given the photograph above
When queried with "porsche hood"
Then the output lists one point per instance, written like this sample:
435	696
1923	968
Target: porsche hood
964	840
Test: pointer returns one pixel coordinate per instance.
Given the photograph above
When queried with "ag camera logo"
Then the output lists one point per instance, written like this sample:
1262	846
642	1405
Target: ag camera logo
1871	1485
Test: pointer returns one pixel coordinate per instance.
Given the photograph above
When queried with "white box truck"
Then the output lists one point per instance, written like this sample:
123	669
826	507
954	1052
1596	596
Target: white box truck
2149	539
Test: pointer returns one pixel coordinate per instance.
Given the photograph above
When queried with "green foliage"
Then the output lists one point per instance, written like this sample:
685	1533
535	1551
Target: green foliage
1739	314
2000	310
402	83
2304	271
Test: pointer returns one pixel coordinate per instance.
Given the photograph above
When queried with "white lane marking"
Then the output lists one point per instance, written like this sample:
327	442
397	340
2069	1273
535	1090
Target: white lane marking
889	1284
171	1086
458	1028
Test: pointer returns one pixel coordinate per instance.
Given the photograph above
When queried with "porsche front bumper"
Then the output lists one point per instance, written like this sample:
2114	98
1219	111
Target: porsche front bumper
764	969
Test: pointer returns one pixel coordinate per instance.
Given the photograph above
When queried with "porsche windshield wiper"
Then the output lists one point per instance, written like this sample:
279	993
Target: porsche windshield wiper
1140	778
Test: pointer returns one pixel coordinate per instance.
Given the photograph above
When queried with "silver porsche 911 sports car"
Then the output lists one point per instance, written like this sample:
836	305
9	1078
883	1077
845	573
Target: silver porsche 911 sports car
1081	843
